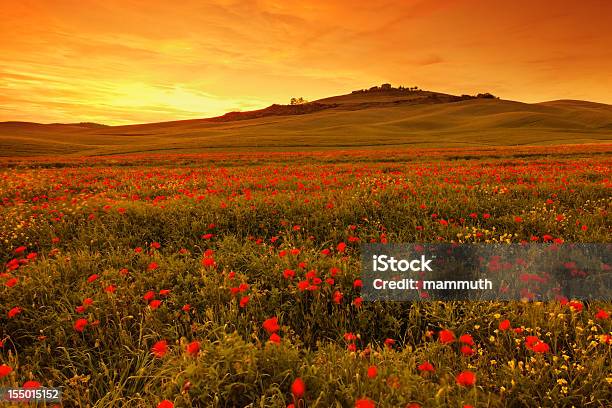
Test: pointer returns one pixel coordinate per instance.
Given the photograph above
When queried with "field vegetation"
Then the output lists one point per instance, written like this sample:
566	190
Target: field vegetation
232	280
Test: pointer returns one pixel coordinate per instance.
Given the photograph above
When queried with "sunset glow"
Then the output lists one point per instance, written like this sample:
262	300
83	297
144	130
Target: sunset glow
119	62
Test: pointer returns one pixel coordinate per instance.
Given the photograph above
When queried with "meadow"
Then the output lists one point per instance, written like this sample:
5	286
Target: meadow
373	121
232	280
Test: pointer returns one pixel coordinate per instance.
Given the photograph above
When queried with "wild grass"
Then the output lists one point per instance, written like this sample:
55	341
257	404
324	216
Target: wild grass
214	232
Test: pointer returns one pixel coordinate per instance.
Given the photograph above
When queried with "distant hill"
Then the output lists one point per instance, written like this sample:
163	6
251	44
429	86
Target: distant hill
274	110
378	117
48	125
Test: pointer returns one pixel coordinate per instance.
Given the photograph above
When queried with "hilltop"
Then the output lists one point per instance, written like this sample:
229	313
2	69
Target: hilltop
377	117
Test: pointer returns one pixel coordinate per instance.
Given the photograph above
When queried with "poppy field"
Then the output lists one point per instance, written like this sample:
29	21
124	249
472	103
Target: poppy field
233	279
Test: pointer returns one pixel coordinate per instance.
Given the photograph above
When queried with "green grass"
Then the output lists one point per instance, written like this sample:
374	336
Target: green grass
251	203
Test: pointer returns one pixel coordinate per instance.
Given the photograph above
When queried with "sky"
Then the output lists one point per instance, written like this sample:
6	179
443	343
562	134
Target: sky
136	61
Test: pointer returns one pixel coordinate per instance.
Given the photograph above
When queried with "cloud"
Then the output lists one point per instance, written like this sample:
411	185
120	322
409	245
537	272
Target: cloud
157	60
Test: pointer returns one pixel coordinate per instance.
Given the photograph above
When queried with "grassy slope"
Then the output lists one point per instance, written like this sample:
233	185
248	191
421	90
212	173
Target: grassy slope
359	121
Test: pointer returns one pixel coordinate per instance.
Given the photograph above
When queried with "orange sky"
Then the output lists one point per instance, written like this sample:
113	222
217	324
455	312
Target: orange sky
120	61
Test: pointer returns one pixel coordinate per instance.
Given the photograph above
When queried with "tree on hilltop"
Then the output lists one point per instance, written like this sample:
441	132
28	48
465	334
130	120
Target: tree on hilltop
298	101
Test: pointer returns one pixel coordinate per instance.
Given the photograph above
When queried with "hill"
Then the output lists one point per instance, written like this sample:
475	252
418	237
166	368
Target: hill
362	119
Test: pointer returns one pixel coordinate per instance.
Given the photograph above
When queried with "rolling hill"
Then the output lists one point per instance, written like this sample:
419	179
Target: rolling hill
362	119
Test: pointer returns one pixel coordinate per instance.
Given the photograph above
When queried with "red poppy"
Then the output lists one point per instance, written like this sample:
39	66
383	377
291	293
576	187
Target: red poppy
271	325
372	372
341	247
5	370
426	367
535	344
467	350
208	261
193	348
80	325
14	312
540	347
446	336
154	304
466	339
298	388
244	301
575	306
165	404
466	378
602	315
364	403
11	282
160	348
275	338
31	384
92	278
504	325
